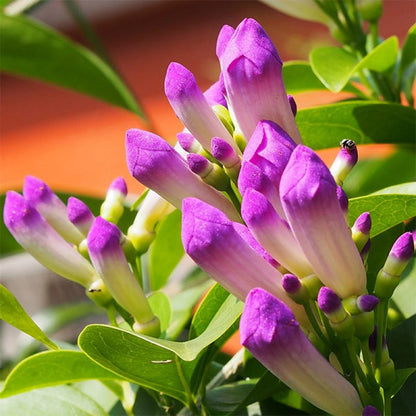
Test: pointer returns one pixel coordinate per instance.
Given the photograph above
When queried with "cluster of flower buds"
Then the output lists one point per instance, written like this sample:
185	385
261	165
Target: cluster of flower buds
261	213
72	242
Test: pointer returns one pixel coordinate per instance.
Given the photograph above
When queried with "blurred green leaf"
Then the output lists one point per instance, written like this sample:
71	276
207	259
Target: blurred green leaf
160	305
166	250
34	50
386	209
409	50
51	368
335	66
13	313
405	294
299	77
364	122
51	401
401	376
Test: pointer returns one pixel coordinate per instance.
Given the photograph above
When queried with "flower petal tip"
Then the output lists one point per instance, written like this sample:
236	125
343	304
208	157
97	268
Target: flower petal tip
103	237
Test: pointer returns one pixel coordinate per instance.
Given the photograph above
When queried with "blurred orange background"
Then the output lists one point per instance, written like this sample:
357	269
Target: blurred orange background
76	143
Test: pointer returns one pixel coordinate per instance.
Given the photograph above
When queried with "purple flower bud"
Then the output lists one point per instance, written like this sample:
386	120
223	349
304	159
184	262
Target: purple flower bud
328	301
403	249
223	38
188	142
345	161
192	108
40	240
213	242
269	330
119	185
113	206
108	258
291	284
198	164
216	93
292	103
309	196
47	203
371	411
360	231
224	153
154	163
252	71
367	303
80	215
273	233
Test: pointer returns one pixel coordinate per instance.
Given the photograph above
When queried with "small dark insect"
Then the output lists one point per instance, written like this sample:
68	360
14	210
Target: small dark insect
347	144
92	290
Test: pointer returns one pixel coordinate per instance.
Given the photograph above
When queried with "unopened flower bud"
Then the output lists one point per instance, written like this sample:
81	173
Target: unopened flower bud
331	305
294	288
360	231
188	142
210	173
370	10
361	309
80	215
371	411
345	161
225	154
99	293
113	206
389	276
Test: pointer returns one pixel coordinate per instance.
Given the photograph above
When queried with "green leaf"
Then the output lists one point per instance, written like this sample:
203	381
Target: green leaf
401	376
12	312
364	122
166	250
299	77
160	305
386	209
51	401
51	368
405	294
409	50
335	66
34	50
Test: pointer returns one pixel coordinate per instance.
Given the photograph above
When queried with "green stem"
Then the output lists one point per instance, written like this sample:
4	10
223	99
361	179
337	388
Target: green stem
314	322
374	33
387	404
233	197
357	367
367	362
111	313
191	403
381	319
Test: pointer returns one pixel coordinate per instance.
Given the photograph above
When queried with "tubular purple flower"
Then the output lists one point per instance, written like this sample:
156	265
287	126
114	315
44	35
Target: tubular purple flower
192	108
224	37
213	242
108	258
309	197
216	93
47	203
343	202
269	149
273	233
345	161
154	163
43	242
269	330
252	71
292	103
80	215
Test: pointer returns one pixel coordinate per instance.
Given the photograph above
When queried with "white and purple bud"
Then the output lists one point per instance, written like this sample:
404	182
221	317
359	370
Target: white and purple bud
252	71
273	233
113	206
269	149
269	330
214	243
389	276
309	196
360	231
47	203
345	161
295	289
371	411
210	173
80	215
192	108
154	163
225	154
361	309
43	242
188	142
341	321
108	258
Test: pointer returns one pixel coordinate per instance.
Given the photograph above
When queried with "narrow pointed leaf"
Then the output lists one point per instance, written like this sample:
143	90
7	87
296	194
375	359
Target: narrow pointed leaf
51	368
13	313
34	50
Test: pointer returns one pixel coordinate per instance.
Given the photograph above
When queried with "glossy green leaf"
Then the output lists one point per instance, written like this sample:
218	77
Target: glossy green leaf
335	66
51	401
364	122
51	368
13	313
299	77
34	50
160	305
386	209
166	250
